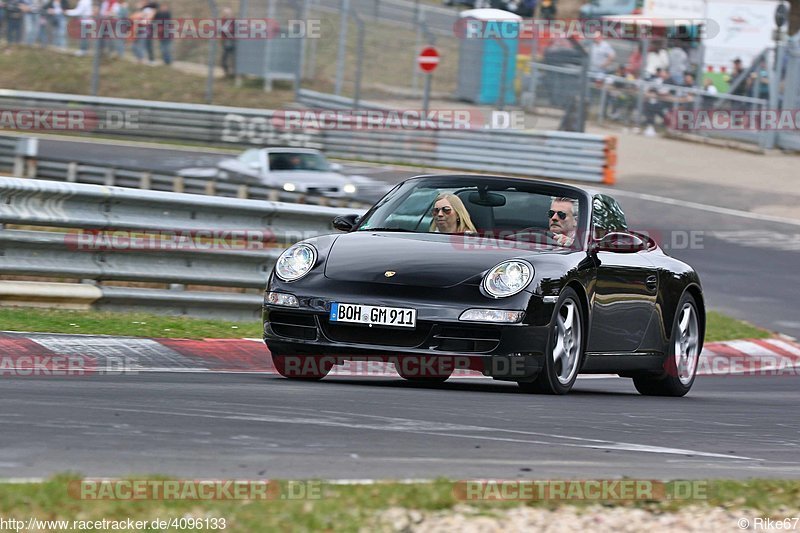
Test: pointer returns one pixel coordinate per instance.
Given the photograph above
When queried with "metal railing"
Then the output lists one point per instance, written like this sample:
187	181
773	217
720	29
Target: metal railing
527	153
107	235
12	160
683	111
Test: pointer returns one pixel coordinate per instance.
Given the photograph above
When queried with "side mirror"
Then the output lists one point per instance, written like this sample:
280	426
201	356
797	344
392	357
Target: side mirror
620	242
346	222
335	167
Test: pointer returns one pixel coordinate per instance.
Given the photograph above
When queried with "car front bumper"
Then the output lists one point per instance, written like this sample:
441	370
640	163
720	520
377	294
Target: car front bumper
503	351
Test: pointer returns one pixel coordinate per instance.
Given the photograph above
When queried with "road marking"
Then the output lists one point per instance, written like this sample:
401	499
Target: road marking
407	425
698	206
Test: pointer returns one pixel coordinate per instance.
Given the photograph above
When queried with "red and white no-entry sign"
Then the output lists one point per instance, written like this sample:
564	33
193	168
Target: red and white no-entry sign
428	59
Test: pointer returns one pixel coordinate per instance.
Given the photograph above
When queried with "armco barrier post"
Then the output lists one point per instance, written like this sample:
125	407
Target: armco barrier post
609	168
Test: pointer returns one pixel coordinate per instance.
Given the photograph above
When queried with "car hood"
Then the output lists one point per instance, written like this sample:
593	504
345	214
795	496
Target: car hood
418	259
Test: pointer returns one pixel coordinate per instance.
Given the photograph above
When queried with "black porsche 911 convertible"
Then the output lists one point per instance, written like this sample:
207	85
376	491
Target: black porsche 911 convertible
523	280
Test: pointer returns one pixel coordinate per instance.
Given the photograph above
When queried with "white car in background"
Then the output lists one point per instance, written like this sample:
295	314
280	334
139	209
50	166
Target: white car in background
300	170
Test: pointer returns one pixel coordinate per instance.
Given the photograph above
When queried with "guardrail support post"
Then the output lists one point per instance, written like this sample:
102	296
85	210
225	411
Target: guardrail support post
243	192
273	196
211	188
19	166
110	177
145	182
72	171
177	184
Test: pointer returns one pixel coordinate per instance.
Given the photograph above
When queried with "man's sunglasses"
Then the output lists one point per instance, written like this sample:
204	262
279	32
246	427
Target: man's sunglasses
446	210
561	214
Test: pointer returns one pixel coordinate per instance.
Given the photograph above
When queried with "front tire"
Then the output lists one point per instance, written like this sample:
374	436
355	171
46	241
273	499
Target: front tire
680	368
416	373
565	354
302	368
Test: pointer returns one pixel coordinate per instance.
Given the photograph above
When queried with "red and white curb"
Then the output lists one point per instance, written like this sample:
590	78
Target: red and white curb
107	354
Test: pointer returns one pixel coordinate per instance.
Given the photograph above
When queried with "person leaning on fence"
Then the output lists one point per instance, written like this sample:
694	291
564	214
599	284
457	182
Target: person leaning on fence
85	12
228	44
656	104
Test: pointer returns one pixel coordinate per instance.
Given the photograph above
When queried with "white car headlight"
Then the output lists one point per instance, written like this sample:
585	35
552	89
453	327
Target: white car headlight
296	262
508	278
349	188
289	187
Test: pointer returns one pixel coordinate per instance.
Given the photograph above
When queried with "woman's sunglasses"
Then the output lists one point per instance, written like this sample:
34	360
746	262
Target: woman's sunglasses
446	210
561	214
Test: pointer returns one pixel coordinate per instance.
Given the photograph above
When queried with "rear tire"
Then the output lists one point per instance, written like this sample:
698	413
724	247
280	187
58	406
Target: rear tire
680	365
565	353
305	368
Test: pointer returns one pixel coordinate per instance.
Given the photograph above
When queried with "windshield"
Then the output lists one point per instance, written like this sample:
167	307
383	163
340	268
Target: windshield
486	207
298	161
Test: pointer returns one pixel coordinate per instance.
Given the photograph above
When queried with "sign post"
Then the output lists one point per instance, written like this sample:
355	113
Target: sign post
427	61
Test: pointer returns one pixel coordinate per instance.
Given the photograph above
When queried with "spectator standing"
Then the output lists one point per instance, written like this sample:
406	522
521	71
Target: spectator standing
527	8
124	14
634	65
759	85
678	61
143	28
56	13
33	19
86	13
601	55
162	16
14	15
657	59
742	87
228	44
109	14
547	10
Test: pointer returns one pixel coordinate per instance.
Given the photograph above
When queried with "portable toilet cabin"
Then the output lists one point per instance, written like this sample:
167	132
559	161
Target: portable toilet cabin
487	62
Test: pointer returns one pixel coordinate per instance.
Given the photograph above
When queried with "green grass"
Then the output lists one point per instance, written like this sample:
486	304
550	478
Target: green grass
125	324
352	507
720	327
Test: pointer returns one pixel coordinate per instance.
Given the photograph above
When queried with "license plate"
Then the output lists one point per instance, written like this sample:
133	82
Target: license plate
373	315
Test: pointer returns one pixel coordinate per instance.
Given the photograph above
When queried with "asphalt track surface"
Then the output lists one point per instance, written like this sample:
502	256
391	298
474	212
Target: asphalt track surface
256	425
264	426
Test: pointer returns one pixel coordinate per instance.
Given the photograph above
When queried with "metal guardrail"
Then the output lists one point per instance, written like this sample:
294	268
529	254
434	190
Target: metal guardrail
73	171
111	234
586	157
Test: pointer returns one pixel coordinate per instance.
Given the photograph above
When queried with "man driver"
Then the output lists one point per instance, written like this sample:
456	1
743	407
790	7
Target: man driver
563	222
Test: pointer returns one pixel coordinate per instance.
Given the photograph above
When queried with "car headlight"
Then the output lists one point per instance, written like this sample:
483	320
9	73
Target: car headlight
349	188
508	278
296	262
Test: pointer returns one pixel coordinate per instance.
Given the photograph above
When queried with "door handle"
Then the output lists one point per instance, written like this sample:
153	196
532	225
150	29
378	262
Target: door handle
651	283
